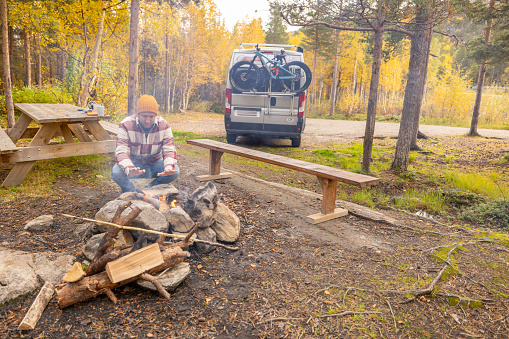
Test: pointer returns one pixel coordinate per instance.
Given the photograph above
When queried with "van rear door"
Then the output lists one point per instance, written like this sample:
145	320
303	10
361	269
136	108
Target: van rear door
248	111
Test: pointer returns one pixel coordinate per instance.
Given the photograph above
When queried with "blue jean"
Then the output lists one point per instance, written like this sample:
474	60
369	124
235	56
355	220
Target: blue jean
119	176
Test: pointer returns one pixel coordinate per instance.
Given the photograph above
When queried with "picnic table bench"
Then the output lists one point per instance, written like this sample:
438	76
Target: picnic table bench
53	120
327	176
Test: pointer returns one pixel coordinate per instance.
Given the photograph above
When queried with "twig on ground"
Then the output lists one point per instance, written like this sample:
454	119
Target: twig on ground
278	319
393	317
231	248
347	313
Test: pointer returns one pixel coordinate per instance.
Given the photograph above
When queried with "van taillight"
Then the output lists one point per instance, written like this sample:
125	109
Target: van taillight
228	103
302	104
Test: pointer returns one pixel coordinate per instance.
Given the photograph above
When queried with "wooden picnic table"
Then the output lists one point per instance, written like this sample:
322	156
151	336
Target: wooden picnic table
53	120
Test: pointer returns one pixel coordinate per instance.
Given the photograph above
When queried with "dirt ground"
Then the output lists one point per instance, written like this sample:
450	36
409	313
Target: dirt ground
339	279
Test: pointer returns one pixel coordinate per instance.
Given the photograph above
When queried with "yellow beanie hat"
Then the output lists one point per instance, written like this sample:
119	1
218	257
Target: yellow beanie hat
147	104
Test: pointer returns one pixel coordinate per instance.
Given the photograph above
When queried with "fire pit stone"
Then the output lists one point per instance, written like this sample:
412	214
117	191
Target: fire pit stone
206	234
179	220
170	279
166	190
227	224
202	205
149	218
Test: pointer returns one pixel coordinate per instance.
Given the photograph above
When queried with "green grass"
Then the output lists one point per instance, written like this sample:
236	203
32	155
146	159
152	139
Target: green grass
370	197
89	169
415	200
182	136
489	186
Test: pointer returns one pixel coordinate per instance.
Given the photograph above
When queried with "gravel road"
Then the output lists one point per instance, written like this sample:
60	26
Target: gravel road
322	131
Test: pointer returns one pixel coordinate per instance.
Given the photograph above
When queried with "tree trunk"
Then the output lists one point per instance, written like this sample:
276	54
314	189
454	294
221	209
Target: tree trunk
28	57
38	60
7	66
166	94
354	82
413	90
91	75
480	79
132	86
313	79
334	78
373	91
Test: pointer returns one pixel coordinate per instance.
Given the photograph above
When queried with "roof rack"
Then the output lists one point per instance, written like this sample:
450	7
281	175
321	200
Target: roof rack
266	45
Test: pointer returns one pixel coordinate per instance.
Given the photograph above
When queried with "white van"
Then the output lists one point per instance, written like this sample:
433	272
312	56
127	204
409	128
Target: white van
268	111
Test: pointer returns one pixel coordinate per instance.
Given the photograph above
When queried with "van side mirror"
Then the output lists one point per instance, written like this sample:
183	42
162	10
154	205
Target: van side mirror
299	49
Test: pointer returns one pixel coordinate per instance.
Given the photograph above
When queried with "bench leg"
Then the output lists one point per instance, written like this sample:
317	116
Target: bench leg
328	210
214	168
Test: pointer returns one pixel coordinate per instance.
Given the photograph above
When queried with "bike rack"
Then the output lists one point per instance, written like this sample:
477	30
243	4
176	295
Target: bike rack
266	45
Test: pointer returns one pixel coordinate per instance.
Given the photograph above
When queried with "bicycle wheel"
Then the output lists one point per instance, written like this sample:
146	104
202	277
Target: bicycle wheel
303	76
244	76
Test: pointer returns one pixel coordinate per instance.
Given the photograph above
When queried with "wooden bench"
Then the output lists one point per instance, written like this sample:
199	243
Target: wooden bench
327	176
109	127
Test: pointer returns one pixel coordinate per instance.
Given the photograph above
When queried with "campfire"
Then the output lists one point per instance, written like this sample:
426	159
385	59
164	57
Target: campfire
135	244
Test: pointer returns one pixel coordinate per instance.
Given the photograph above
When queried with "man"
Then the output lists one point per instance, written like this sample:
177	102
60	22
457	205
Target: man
145	148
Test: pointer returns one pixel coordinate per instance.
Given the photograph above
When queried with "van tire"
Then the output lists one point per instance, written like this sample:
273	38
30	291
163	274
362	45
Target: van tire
296	141
231	138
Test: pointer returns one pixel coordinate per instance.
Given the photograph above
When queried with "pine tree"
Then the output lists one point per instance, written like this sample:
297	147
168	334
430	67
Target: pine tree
276	31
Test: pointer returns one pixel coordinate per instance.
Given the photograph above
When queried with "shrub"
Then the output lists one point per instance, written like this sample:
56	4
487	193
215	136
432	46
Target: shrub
46	94
495	214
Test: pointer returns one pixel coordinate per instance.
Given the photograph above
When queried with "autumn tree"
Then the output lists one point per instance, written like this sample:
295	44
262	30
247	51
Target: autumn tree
6	63
358	16
276	28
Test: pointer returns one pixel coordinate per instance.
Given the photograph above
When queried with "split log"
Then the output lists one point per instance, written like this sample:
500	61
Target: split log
74	274
104	255
92	286
34	313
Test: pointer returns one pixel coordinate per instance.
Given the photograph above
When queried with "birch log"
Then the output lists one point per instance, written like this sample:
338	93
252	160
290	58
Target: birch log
34	313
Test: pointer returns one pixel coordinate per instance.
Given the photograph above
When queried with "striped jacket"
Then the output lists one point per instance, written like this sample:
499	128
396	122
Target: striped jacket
134	146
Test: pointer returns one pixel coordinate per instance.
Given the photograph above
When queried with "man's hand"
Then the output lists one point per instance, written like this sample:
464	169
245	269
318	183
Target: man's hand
166	173
135	172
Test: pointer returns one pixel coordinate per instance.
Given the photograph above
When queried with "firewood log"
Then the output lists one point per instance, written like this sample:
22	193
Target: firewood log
94	285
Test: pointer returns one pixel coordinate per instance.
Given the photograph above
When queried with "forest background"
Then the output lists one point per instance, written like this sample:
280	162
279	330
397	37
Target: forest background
188	48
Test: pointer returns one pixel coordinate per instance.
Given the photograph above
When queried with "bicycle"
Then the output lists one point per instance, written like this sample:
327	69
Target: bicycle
294	76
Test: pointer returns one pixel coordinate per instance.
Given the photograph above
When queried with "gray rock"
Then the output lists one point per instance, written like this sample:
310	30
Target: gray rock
82	229
202	205
90	248
150	218
20	271
167	190
41	223
107	212
170	279
206	234
179	220
227	224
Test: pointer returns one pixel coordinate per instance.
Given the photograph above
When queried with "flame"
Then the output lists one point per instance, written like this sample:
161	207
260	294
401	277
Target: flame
162	198
172	204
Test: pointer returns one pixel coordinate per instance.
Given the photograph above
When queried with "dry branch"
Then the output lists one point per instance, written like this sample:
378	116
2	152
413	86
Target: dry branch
105	251
231	248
